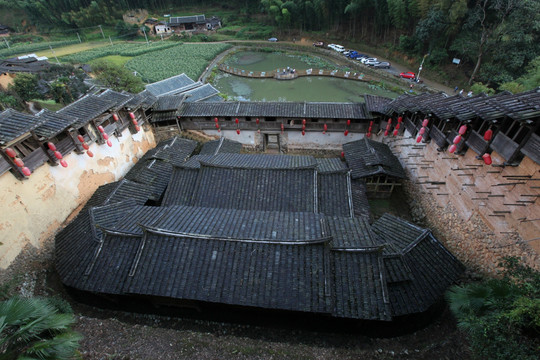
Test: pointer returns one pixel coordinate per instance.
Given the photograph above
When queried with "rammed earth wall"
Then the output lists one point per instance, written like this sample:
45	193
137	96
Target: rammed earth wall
482	213
34	209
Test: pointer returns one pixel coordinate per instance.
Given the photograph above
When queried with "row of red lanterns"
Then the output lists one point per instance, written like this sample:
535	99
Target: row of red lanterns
57	154
20	164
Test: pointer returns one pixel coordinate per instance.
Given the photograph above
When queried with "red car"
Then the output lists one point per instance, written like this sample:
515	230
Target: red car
408	75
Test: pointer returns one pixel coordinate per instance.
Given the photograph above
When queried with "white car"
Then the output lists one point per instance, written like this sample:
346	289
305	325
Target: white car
372	62
337	48
365	60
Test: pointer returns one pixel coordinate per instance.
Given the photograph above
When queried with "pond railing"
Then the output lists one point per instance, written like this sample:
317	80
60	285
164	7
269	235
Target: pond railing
289	74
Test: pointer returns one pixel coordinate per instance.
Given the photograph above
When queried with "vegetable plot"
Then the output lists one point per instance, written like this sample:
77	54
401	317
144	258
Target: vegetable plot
132	49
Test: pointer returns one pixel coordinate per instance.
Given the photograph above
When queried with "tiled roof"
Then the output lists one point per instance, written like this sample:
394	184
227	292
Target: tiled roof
54	123
376	104
262	161
177	20
202	93
359	198
223	145
352	233
118	99
170	86
334	191
14	124
144	99
29	64
328	165
86	108
367	157
276	109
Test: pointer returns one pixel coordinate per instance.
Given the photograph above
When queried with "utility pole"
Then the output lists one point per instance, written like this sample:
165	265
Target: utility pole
161	37
146	37
420	68
110	40
102	34
50	47
6	42
79	38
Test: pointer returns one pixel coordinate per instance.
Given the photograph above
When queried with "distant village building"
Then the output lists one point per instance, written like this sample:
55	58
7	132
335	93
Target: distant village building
23	64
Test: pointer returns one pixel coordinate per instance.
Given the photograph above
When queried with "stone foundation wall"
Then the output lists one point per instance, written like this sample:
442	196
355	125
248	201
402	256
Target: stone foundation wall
482	213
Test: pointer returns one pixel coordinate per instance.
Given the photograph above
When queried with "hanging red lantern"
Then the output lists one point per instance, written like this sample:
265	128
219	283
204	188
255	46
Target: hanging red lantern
58	155
388	127
348	122
89	153
257	121
395	132
101	129
105	136
422	131
236	120
51	146
81	138
303	132
457	139
137	128
85	146
400	119
488	134
342	154
303	127
11	153
18	162
425	122
419	138
115	117
346	132
26	171
109	143
370	123
238	131
282	128
132	115
398	125
216	119
386	133
217	126
303	121
63	163
452	148
462	130
369	129
389	121
368	134
487	159
134	122
325	128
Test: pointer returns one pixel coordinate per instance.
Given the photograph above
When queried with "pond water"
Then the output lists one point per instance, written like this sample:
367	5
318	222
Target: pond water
311	88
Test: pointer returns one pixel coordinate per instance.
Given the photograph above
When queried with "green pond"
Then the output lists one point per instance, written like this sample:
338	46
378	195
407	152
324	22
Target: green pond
310	88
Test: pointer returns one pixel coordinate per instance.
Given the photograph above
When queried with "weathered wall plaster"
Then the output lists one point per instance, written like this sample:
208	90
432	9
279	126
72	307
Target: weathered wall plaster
32	210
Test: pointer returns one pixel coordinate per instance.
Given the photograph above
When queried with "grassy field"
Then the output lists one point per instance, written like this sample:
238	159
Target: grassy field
116	59
71	49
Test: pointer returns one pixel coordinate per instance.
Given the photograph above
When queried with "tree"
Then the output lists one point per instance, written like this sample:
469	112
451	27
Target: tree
33	328
8	101
116	77
25	85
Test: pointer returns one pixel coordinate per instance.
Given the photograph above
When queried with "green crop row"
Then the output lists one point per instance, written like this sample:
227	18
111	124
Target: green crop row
190	59
28	48
132	49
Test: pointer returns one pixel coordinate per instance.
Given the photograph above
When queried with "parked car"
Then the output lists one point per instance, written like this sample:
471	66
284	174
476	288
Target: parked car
353	54
382	65
346	52
372	62
318	44
365	60
408	75
273	39
336	47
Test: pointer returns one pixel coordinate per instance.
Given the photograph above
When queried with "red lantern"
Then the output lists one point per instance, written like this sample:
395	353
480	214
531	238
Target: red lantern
238	131
18	162
303	132
419	138
400	119
462	130
348	122
132	115
422	131
425	122
487	159
369	129
217	126
303	127
303	121
257	121
81	138
137	128
457	139
395	132
134	122
85	146
386	133
282	127
368	134
115	117
370	123
105	136
342	154
346	132
389	121
488	134
325	128
452	148
109	143
216	119
236	120
101	129
388	127
11	153
63	163
91	154
26	171
58	155
398	125
51	146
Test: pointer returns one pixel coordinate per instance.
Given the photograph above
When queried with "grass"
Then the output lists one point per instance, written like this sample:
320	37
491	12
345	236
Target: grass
49	104
70	49
115	59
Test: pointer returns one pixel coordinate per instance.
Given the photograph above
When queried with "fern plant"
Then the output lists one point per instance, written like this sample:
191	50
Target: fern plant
33	328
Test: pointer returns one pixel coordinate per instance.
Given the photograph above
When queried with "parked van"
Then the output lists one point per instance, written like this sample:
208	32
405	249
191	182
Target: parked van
337	48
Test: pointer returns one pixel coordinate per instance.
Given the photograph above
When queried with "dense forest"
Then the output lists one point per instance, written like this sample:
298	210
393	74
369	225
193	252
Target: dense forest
497	40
